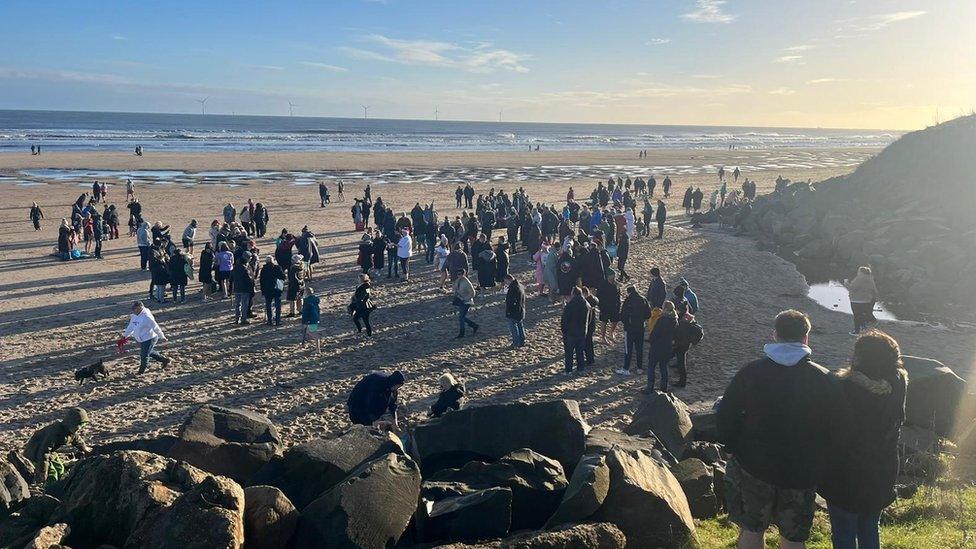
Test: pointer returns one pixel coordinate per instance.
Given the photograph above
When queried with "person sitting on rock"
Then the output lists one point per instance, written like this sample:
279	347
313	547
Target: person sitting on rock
41	449
373	396
452	393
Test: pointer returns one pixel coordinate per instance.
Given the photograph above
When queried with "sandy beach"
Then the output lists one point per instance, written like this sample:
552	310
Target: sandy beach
57	316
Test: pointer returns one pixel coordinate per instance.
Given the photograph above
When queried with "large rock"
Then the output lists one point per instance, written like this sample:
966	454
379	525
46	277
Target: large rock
307	471
480	515
646	502
704	426
570	536
697	482
49	537
601	441
587	489
227	441
157	445
537	483
13	488
21	527
371	508
555	429
138	499
667	417
269	518
935	394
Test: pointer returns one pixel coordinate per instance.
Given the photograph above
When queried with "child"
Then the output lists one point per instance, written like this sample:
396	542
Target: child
310	319
451	395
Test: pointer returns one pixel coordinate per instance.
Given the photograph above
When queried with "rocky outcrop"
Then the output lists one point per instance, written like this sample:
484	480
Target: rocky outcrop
480	515
586	492
227	441
370	508
269	518
570	536
554	429
23	526
602	440
666	418
697	482
306	471
138	499
49	537
935	394
13	489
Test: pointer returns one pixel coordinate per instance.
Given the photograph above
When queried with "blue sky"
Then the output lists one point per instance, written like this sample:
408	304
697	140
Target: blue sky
840	63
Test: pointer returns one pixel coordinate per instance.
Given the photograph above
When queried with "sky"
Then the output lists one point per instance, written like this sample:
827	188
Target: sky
892	64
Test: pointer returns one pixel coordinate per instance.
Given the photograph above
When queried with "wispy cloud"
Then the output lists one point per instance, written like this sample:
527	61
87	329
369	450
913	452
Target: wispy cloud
862	25
794	59
709	11
274	68
782	91
800	47
635	95
324	66
480	58
706	76
826	80
658	41
118	37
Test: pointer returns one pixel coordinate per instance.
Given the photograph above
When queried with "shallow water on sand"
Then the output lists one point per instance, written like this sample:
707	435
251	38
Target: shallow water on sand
834	296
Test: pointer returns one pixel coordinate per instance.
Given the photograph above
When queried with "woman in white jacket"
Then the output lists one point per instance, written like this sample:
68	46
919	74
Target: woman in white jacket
404	251
864	294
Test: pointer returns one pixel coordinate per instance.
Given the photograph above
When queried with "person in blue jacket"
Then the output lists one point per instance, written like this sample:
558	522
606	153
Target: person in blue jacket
311	315
690	296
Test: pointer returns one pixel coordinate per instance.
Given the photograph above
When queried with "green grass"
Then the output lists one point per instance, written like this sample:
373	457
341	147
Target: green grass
944	518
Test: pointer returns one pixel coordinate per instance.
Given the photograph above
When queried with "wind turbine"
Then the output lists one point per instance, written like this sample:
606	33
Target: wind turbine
365	111
291	108
436	113
500	114
203	105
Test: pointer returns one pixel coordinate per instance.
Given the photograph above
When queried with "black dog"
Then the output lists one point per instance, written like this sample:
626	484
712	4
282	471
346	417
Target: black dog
91	372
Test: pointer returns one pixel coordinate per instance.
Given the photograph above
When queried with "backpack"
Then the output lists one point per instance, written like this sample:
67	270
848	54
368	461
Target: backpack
695	332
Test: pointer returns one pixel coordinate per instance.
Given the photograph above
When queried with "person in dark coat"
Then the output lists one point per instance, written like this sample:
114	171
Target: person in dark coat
485	261
679	301
687	333
661	216
178	277
378	251
634	313
696	199
362	305
365	257
567	272
686	200
657	292
589	353
623	252
272	282
860	479
501	255
661	342
591	267
609	295
374	396
450	398
574	325
515	310
160	274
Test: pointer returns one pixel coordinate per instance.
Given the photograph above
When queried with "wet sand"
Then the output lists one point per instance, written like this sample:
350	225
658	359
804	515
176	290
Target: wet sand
57	316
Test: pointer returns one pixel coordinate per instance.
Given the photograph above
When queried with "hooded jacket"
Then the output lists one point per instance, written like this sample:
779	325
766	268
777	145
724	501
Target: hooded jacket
373	396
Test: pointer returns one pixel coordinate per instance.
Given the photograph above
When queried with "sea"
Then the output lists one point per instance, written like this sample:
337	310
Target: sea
114	131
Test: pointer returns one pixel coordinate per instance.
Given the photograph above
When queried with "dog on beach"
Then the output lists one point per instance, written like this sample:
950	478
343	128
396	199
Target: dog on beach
92	372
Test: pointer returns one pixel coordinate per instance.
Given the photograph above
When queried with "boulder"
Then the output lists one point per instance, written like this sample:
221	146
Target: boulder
935	394
157	445
568	536
49	537
269	518
21	527
587	489
227	441
307	471
555	429
708	452
646	502
667	417
600	441
480	515
371	508
704	426
13	488
537	483
697	482
138	499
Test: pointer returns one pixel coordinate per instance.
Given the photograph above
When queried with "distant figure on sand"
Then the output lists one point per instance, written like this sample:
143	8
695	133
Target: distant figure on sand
36	215
863	294
775	419
375	396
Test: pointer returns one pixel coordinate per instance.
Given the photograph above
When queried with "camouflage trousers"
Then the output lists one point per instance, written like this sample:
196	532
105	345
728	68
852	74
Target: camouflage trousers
754	505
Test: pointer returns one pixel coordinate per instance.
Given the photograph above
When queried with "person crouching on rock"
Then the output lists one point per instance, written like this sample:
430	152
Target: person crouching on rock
42	447
374	396
451	395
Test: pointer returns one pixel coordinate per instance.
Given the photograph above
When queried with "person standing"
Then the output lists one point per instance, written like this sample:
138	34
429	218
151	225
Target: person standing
860	479
775	420
661	217
687	333
130	190
179	264
661	342
261	219
515	310
36	215
574	324
458	194
362	305
589	353
272	283
225	266
243	279
323	193
464	293
189	233
623	252
608	293
657	292
144	330
863	294
404	251
311	315
634	314
205	272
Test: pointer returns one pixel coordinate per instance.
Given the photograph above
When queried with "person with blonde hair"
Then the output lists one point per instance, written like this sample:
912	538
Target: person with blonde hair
451	395
863	294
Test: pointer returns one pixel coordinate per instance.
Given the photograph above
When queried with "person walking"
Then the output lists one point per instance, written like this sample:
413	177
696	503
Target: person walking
272	282
515	310
311	315
775	420
574	324
36	215
863	294
362	305
661	216
144	330
661	342
860	478
464	293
